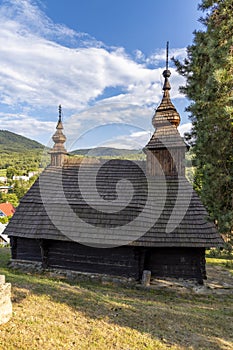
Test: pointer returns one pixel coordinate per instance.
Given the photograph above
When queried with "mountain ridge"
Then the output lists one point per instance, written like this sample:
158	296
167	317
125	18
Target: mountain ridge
105	151
12	142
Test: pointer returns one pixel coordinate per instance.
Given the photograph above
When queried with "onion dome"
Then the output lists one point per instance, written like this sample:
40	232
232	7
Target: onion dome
166	112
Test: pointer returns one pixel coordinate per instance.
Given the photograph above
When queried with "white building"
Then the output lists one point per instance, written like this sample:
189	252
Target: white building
4	239
21	177
3	179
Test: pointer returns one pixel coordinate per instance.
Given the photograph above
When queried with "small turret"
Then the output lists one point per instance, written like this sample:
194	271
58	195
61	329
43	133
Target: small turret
58	151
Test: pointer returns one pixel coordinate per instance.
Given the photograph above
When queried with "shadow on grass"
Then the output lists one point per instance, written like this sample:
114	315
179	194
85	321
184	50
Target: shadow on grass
182	319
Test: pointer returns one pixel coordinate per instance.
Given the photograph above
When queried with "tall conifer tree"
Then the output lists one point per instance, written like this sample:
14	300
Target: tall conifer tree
208	69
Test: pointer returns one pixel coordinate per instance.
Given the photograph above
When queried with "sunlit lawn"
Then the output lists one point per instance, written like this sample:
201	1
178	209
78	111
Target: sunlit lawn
225	263
56	314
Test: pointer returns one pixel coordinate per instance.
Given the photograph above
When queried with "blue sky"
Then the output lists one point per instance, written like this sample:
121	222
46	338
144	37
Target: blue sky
101	60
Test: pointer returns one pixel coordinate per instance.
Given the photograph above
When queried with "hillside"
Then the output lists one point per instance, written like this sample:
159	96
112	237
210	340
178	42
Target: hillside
11	142
105	151
19	152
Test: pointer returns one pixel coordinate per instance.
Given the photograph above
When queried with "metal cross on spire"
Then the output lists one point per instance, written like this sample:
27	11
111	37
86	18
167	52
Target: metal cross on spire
166	72
60	111
167	49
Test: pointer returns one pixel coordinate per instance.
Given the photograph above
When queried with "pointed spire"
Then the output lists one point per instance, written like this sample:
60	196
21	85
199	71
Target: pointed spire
59	110
167	55
166	72
58	151
59	122
166	112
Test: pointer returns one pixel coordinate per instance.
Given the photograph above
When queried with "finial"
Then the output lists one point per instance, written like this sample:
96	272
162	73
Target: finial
59	109
167	55
166	72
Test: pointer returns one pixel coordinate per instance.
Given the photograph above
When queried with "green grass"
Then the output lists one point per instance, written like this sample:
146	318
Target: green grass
225	263
57	314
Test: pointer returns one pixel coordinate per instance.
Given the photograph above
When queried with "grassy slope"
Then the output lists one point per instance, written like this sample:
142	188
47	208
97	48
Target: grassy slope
53	314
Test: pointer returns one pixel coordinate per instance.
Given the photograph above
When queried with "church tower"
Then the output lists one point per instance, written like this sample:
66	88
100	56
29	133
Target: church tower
58	151
166	149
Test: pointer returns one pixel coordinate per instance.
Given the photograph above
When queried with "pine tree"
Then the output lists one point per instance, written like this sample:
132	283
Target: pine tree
208	69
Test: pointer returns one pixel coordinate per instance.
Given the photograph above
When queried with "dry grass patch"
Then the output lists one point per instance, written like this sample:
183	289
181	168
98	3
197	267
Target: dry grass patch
56	314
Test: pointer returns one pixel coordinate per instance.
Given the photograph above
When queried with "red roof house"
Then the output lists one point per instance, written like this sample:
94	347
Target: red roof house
6	209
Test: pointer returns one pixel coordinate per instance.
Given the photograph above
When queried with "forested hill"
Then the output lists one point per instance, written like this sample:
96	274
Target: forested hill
105	151
11	142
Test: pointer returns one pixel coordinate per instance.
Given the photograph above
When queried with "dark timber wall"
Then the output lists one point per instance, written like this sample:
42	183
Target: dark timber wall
25	249
120	261
125	261
176	262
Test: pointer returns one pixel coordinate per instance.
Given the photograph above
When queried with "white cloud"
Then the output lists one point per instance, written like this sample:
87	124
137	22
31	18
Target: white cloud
103	114
44	73
159	56
135	140
185	128
26	16
139	139
43	64
129	140
26	125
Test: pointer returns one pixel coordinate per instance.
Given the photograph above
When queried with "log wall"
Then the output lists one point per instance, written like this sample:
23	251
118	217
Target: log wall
187	263
25	249
121	261
127	261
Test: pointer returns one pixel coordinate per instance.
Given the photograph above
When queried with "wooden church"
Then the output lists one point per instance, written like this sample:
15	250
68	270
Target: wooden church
162	226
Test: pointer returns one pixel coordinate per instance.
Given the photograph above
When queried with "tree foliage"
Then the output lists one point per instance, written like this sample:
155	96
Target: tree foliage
208	70
9	197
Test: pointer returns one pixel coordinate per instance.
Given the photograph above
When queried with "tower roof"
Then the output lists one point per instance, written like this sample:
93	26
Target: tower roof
166	118
59	138
166	111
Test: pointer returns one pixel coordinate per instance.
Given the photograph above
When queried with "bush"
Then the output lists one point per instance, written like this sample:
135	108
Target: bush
221	253
4	219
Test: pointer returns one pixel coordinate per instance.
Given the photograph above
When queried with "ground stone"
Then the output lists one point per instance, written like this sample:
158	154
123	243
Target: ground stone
219	281
5	301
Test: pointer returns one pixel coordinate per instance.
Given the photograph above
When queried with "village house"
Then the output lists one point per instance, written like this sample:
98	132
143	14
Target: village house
63	222
21	178
6	209
5	189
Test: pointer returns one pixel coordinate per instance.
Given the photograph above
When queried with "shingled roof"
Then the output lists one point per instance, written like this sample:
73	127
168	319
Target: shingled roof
174	216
